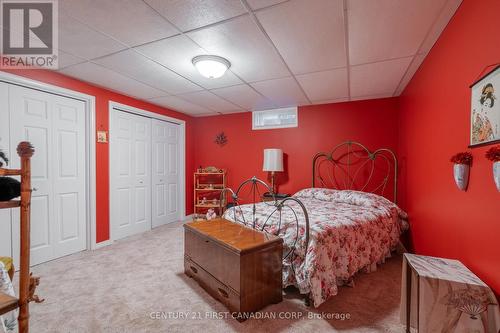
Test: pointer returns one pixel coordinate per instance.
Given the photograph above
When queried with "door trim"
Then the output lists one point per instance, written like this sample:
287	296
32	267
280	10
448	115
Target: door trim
182	148
90	144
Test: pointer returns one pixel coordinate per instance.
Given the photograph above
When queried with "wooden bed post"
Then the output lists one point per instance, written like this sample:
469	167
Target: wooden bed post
25	151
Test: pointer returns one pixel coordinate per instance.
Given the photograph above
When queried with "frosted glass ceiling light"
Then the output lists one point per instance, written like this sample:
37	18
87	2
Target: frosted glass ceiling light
211	66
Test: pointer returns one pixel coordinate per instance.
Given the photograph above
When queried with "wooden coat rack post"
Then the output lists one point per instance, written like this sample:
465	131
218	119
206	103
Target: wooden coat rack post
25	151
27	283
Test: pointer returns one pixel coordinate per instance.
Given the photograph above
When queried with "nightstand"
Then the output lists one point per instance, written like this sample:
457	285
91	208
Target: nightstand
278	196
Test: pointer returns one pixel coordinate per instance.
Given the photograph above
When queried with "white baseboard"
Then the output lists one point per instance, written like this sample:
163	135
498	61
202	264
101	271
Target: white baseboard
103	244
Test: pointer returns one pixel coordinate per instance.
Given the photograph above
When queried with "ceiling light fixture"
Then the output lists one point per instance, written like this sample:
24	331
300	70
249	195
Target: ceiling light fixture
211	66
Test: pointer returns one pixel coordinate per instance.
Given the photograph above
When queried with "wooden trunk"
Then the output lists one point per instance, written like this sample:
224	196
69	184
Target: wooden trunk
240	267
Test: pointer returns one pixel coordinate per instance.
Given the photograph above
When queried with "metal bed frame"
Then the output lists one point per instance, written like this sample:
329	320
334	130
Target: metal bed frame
353	167
279	205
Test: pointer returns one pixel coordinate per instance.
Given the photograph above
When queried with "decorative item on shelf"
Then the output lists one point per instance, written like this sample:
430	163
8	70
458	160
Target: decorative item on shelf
210	169
199	217
211	214
10	188
493	154
273	162
461	169
485	108
221	139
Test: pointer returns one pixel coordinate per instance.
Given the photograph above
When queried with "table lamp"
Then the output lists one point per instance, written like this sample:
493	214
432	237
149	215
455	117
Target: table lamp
273	162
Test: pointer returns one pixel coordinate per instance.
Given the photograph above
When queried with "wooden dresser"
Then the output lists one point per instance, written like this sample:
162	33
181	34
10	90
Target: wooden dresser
239	266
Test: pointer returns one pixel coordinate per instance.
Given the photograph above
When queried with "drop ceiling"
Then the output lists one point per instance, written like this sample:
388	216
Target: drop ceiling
283	53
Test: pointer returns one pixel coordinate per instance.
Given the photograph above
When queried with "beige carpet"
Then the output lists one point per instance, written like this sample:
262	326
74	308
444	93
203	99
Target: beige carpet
119	288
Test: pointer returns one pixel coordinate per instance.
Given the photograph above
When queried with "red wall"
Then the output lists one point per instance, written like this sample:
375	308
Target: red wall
321	127
434	119
103	96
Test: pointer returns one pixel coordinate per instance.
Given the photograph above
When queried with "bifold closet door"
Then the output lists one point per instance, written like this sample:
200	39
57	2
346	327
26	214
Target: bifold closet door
165	172
55	125
130	174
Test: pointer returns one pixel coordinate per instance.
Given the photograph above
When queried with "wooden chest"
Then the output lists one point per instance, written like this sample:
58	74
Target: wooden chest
239	266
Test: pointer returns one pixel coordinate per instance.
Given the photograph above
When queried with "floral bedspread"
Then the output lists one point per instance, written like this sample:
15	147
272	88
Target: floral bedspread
349	231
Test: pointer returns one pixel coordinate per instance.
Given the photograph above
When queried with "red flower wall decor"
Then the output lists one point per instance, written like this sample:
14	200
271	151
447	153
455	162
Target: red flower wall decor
462	158
493	154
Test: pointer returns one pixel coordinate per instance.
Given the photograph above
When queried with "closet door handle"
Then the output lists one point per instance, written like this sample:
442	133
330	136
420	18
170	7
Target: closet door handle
34	189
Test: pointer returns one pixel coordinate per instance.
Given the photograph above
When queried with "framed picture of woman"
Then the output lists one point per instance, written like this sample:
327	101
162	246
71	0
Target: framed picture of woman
485	109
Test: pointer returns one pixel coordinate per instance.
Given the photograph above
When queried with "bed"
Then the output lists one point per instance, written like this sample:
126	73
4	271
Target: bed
340	226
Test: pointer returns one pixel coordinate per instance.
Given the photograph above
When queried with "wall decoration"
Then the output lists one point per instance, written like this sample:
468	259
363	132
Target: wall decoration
485	109
493	154
102	137
461	169
221	139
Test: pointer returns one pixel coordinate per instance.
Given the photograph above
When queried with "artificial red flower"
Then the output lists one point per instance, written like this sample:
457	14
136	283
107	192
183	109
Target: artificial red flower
462	158
493	154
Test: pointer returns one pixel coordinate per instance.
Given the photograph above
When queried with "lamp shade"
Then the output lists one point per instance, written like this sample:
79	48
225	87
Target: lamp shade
273	160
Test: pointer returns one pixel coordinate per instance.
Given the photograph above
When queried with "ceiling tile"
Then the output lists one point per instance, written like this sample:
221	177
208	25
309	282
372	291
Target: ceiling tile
257	4
327	85
244	96
178	104
309	34
332	101
412	69
111	80
132	22
66	59
252	56
378	78
80	40
283	92
366	97
177	53
142	69
388	29
192	14
446	14
210	101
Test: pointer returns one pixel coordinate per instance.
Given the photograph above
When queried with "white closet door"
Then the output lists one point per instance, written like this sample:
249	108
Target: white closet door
165	172
130	174
5	223
56	127
69	176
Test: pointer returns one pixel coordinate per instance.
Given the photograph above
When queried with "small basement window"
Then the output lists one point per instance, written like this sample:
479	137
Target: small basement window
275	118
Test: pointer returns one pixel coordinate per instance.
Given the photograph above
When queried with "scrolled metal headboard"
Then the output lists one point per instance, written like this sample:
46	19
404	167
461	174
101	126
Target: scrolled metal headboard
278	206
355	167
